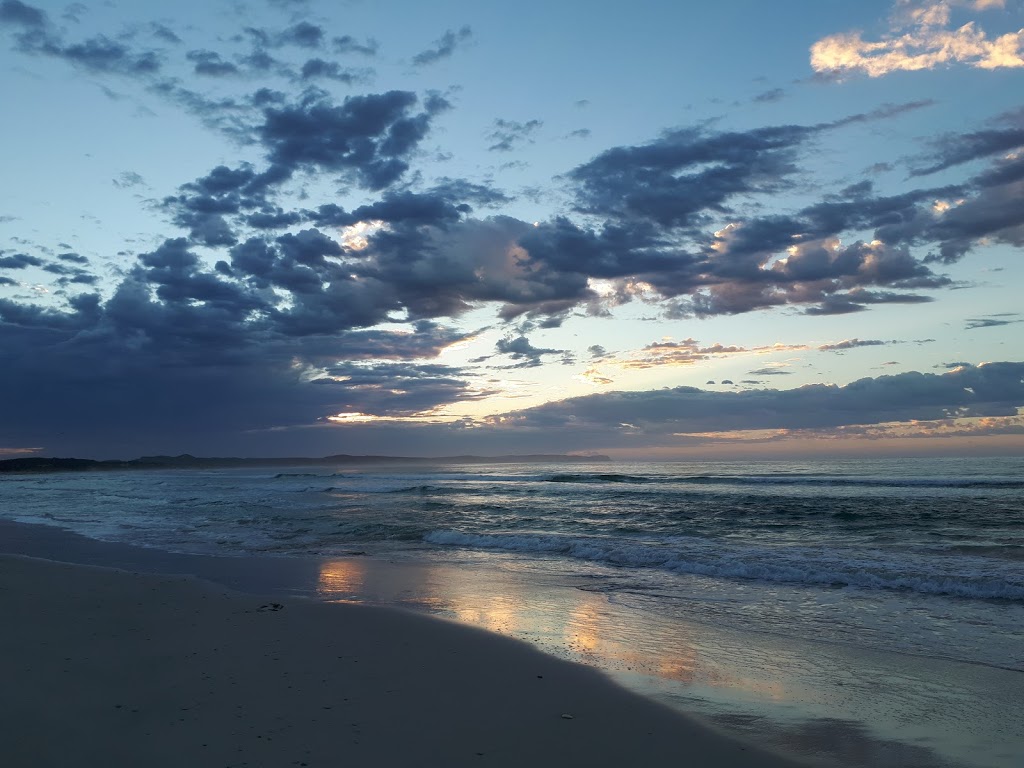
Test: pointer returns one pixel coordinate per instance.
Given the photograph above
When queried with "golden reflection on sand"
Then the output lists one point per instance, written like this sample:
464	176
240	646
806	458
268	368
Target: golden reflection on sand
580	624
498	616
595	637
341	579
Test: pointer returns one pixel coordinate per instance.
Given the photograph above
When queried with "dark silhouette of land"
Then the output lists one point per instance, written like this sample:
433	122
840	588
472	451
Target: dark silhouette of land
186	461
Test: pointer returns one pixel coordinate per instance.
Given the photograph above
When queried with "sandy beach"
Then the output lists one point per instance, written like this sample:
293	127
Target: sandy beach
106	667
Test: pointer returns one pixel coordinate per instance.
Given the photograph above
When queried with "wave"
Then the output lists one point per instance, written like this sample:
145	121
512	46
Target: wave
604	477
755	566
796	479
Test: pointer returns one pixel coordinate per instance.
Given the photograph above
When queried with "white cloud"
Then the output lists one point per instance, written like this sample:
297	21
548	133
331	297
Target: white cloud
920	37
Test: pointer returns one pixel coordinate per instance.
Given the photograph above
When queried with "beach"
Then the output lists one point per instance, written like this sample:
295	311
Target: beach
107	667
857	614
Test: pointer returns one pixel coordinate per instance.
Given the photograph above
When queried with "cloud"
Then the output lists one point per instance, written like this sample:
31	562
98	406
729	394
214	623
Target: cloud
217	358
675	179
674	353
689	352
15	12
368	137
399	389
303	34
520	348
73	258
770	96
330	70
443	47
840	346
20	261
210	64
1001	136
262	291
98	54
992	321
659	203
994	389
444	271
165	33
506	134
348	44
919	39
128	179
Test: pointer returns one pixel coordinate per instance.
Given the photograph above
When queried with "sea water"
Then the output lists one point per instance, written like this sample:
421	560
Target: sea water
882	598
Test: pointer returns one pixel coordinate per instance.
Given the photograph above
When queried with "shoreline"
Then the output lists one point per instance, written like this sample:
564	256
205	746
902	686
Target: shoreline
802	699
116	668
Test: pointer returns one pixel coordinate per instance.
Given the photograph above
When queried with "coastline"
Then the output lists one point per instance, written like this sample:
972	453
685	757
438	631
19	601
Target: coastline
810	701
109	667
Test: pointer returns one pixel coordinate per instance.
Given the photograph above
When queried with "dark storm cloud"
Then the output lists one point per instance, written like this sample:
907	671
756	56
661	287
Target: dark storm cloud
330	70
214	357
689	173
210	63
400	389
366	139
520	348
303	34
15	12
20	261
740	269
96	54
859	299
995	389
7	281
176	273
656	198
992	213
369	137
443	47
674	180
78	278
444	271
1005	134
506	134
424	339
273	218
38	36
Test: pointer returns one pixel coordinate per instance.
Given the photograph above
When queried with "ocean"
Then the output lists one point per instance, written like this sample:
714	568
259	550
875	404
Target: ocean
884	597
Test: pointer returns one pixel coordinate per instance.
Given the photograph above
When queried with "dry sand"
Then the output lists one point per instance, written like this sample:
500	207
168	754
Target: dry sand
100	667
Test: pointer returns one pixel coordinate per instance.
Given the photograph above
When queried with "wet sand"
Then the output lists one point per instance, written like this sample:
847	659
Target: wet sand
107	667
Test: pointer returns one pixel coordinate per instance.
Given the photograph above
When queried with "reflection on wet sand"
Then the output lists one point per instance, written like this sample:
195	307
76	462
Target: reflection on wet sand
589	635
572	623
755	684
341	580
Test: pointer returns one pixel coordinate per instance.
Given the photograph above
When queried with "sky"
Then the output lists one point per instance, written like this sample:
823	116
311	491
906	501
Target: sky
649	229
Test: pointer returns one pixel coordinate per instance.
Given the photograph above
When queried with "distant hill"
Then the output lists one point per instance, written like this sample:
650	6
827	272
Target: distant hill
187	461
